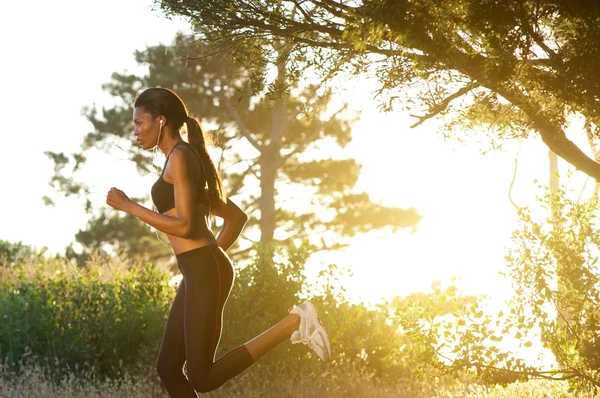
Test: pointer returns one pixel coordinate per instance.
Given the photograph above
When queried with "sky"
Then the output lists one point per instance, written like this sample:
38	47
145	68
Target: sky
56	58
55	61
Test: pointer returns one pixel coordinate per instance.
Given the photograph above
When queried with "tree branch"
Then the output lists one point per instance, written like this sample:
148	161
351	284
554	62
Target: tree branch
287	120
553	136
583	189
535	35
299	7
514	177
251	205
243	130
295	28
444	104
543	374
309	139
331	6
334	4
234	190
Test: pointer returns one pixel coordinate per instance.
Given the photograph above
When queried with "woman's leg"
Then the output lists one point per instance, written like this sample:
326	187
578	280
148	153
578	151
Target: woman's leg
171	356
261	344
209	278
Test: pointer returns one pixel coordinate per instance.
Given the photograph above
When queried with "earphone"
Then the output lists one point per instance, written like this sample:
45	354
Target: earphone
154	163
156	146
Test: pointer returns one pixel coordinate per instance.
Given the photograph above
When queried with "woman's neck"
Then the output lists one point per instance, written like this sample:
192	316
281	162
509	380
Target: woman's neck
168	143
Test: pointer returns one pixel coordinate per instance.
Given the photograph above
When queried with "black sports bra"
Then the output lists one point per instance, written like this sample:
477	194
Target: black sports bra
163	193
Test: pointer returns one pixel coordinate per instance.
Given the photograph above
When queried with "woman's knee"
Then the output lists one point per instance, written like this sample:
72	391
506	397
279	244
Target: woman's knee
200	379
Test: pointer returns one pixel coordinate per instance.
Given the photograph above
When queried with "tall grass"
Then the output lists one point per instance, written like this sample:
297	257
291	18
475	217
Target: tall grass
31	380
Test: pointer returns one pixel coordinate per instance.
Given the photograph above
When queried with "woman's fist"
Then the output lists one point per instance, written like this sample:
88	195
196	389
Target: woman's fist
117	199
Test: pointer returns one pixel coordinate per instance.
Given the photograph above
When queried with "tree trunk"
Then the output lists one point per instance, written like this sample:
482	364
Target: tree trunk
270	156
268	173
554	179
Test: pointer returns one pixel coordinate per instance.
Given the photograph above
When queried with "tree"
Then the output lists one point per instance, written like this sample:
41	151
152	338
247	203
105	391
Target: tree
277	156
505	67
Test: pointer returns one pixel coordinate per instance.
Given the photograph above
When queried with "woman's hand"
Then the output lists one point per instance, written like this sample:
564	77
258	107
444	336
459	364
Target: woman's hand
234	220
117	199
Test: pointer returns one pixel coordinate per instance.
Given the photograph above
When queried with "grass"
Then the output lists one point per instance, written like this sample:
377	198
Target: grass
32	381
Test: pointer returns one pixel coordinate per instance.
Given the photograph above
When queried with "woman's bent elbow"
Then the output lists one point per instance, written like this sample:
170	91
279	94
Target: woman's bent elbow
241	220
186	231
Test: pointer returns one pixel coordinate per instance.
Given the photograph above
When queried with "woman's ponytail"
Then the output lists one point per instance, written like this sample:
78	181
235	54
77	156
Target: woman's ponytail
196	140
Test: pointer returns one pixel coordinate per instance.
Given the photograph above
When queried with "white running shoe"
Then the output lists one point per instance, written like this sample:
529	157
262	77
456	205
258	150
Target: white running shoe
311	331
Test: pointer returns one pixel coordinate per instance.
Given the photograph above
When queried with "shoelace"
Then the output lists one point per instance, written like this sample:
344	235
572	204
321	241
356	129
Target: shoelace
306	340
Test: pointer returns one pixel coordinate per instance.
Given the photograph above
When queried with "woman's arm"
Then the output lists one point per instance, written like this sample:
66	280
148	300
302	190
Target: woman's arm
164	223
234	220
181	224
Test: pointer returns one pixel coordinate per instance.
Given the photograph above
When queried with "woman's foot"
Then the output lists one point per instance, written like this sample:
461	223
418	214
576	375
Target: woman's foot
311	331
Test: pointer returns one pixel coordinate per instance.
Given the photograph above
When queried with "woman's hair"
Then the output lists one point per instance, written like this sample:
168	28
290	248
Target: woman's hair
162	101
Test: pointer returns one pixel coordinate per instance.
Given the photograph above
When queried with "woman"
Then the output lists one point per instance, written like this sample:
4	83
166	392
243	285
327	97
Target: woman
188	189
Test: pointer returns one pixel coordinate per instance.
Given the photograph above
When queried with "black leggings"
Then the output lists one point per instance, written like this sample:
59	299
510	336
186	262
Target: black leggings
194	326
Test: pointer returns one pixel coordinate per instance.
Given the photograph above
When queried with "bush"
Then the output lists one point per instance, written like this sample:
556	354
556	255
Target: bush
108	317
73	317
553	268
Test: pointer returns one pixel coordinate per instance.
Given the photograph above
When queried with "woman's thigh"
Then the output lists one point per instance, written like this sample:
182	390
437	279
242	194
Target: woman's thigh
172	347
209	278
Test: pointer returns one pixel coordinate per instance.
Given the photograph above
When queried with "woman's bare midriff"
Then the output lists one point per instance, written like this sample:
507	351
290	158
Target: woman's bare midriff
201	236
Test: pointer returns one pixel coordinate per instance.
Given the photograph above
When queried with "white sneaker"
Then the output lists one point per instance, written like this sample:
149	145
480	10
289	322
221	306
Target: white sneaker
311	331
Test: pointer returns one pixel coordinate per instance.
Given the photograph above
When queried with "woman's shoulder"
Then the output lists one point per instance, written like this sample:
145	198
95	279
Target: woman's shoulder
184	156
186	149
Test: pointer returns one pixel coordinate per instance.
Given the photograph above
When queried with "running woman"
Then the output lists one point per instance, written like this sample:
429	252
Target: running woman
187	191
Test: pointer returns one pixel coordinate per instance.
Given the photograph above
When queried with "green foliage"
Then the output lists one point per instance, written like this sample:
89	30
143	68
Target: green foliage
465	339
12	251
557	278
553	269
362	338
269	284
60	313
108	317
505	68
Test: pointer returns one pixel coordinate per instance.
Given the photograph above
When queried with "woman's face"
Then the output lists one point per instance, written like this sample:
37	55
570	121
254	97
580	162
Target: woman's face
146	128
